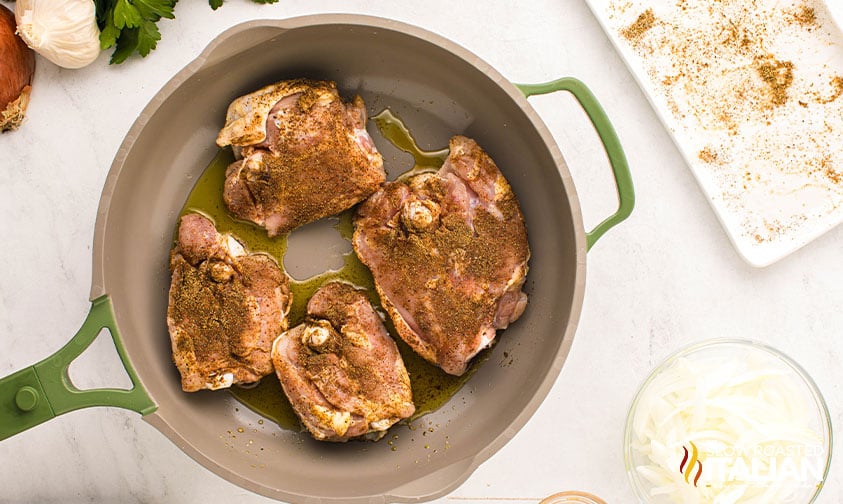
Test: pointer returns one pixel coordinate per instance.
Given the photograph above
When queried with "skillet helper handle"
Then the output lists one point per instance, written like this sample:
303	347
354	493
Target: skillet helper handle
611	144
40	392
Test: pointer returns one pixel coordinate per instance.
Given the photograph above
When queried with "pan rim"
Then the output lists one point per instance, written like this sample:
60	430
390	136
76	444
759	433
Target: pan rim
458	471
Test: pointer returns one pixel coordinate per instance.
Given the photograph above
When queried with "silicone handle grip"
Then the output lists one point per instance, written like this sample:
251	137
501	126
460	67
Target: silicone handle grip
40	392
611	144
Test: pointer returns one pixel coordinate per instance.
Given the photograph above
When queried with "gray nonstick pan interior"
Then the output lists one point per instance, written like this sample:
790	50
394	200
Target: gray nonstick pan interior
439	90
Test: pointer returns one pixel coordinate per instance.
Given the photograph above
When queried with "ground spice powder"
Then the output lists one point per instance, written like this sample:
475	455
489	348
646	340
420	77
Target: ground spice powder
750	89
644	22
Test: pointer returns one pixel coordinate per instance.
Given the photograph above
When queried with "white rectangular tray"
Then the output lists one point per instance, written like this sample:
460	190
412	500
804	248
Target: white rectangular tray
752	93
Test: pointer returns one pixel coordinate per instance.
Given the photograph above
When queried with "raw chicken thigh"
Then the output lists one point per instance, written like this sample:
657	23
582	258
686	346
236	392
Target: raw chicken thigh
304	155
226	307
340	369
448	252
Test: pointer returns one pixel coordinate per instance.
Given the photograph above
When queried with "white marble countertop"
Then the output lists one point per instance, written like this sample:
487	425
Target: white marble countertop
663	279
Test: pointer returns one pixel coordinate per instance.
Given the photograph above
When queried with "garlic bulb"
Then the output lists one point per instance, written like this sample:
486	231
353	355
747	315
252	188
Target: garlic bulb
63	31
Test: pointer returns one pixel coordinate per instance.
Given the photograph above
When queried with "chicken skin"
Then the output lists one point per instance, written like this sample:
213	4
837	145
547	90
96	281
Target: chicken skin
448	252
304	154
341	370
225	309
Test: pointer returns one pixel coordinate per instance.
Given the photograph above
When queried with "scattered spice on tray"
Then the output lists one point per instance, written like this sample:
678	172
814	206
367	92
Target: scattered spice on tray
707	155
644	22
778	75
748	87
806	16
837	89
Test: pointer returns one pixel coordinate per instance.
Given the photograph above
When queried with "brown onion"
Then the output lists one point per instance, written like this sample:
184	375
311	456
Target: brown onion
17	64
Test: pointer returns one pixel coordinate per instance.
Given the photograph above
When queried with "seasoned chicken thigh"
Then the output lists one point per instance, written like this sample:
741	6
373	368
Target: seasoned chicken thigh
448	252
226	307
305	155
340	369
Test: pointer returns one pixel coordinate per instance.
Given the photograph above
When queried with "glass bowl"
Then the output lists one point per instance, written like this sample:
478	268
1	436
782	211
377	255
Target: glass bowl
727	419
572	498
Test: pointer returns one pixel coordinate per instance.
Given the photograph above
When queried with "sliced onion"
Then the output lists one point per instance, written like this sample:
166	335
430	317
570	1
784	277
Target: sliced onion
738	408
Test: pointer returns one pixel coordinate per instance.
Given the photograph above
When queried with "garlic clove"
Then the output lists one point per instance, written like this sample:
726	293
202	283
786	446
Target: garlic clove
63	31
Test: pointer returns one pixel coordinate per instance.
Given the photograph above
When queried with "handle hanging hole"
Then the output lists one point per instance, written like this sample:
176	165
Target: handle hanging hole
99	366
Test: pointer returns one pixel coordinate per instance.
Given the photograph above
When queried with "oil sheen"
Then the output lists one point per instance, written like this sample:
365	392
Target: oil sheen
431	387
392	128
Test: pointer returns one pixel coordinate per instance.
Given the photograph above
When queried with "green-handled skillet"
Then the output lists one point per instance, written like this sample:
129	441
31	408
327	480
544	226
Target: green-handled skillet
439	89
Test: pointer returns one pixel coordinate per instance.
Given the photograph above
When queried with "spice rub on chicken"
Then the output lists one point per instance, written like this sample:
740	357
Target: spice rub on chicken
341	370
448	252
226	307
305	154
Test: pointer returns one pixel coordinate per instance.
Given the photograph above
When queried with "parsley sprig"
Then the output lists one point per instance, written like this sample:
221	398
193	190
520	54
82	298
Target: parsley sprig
132	25
216	4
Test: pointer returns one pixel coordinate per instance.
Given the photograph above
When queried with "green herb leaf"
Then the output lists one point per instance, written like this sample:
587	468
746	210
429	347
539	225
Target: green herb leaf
148	37
216	4
131	25
126	45
126	15
104	8
152	10
109	33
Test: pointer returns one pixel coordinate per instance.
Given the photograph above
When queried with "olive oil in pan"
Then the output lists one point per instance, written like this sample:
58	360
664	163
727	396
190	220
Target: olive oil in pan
432	387
393	129
267	398
206	198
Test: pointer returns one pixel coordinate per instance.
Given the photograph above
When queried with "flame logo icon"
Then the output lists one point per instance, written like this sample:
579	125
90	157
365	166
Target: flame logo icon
687	466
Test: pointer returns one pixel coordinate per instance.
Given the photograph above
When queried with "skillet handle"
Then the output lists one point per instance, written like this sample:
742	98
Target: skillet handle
611	144
40	392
